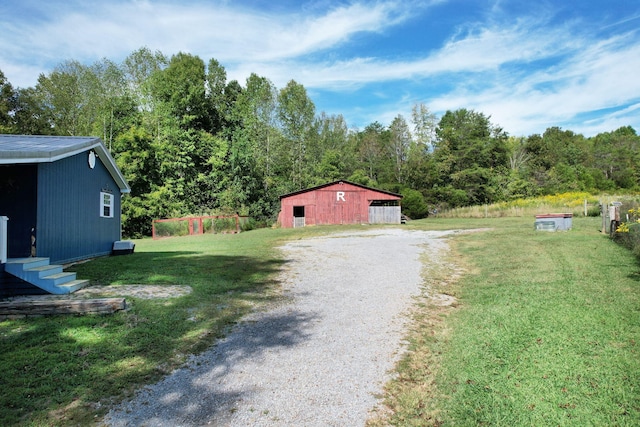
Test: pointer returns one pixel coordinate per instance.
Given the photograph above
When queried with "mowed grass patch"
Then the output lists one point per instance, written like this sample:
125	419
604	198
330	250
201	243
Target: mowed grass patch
67	370
544	332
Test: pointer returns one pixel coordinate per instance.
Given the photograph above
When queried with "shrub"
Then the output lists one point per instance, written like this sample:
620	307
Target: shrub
413	204
628	232
248	224
594	210
177	228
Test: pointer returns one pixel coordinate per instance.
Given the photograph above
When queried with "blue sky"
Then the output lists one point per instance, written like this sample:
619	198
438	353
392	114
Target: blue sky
527	64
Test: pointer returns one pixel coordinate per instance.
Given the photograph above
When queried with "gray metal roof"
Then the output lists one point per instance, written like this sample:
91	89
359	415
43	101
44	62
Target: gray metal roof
44	149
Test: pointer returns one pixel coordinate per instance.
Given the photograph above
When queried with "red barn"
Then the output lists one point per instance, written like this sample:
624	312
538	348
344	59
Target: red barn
339	202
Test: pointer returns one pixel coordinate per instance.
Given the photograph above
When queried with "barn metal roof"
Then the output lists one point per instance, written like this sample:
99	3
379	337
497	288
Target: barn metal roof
340	182
45	149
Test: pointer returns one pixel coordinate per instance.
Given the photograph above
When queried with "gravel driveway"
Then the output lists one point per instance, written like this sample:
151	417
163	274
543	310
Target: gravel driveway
319	359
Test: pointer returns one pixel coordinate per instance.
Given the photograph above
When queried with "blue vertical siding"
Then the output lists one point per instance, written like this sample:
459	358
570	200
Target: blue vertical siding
69	224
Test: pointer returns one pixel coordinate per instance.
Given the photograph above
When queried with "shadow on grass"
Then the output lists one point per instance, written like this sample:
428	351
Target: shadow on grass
189	268
81	360
208	389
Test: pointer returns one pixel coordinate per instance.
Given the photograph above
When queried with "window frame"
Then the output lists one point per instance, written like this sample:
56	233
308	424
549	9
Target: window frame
104	204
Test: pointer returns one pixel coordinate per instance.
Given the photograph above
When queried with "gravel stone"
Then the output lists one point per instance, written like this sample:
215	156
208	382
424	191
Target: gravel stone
319	359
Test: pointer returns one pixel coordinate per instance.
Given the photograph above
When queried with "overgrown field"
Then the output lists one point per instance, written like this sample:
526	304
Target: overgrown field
570	202
545	331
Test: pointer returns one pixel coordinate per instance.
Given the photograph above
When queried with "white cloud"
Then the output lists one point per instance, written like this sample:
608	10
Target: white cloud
585	76
526	73
482	50
597	77
218	30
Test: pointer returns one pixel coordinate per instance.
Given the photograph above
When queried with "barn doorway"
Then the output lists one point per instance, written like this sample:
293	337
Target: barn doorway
298	216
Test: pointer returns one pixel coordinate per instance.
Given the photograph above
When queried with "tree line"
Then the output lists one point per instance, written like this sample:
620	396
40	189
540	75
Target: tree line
189	141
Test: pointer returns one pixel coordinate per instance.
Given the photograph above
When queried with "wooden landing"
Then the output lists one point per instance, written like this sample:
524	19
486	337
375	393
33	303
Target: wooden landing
47	307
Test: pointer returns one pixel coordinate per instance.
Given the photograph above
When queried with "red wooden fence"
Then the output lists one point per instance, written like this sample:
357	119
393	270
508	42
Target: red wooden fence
196	224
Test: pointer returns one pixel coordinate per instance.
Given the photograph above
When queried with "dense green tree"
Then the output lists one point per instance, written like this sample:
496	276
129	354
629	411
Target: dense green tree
30	116
469	152
515	183
371	146
8	105
190	142
213	174
65	95
331	167
78	100
424	126
243	184
419	171
518	156
116	109
181	87
249	117
254	112
232	92
138	69
296	112
400	144
563	146
216	84
135	155
617	156
329	149
413	204
557	161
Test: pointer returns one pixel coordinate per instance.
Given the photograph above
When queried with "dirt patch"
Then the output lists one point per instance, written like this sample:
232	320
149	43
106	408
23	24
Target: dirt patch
443	300
136	291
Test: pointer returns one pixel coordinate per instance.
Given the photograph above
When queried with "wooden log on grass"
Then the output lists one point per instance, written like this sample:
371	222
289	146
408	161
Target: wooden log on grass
61	306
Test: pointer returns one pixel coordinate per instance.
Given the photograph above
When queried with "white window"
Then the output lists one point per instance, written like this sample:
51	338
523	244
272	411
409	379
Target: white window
106	205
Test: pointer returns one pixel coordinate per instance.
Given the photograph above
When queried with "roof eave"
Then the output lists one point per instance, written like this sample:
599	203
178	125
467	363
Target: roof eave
111	166
46	156
55	155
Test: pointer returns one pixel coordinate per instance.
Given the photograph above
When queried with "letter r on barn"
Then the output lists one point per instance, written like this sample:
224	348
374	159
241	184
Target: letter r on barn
340	196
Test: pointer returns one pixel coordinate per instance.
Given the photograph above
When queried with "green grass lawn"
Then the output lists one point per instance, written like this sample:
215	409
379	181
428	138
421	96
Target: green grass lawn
545	332
65	370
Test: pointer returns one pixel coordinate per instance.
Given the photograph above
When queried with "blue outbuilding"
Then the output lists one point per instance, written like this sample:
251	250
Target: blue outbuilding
60	202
